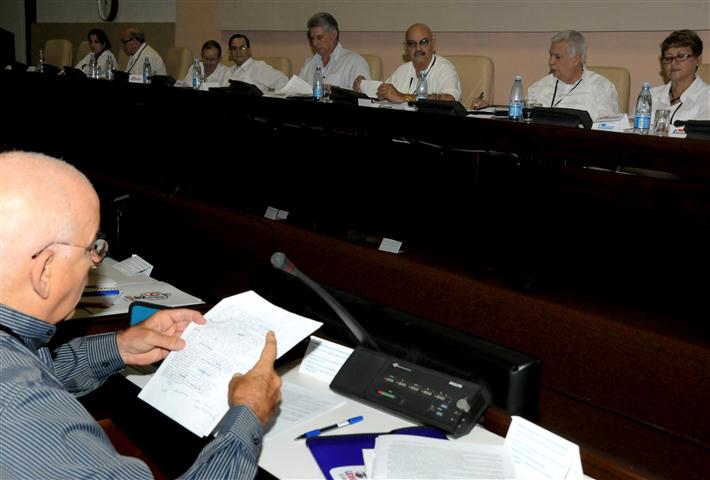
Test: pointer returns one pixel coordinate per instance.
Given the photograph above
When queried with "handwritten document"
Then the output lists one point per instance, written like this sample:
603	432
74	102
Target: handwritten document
191	385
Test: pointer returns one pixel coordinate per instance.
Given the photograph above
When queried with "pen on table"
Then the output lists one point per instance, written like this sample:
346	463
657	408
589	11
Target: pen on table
100	293
318	431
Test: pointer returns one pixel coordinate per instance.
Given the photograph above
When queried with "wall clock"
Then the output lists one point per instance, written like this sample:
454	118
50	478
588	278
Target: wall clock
107	9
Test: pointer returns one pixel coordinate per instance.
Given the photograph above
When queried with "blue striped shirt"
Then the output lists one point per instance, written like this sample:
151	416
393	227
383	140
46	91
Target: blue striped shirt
46	433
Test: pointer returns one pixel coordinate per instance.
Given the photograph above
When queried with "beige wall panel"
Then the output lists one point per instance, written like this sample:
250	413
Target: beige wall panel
470	15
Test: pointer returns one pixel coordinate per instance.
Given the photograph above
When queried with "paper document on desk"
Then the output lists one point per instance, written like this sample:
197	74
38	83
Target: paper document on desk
539	453
296	86
407	456
191	385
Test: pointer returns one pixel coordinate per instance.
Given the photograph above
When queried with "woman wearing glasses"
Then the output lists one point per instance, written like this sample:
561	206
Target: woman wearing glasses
685	95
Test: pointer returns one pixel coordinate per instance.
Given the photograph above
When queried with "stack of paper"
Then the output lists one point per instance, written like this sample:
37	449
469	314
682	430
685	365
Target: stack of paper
529	452
121	283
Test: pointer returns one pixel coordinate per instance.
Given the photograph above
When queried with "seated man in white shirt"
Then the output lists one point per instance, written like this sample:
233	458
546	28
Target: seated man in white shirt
248	70
133	40
569	84
442	79
213	70
340	67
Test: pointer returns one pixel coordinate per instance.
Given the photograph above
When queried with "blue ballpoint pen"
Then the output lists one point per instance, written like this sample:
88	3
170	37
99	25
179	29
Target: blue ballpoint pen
318	431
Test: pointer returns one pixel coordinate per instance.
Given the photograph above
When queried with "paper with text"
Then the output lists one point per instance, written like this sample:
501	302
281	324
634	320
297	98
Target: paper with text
539	453
299	404
323	359
413	457
191	385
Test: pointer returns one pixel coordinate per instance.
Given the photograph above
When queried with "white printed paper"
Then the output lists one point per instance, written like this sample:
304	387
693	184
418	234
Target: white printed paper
191	385
323	359
296	86
539	453
134	265
414	457
299	404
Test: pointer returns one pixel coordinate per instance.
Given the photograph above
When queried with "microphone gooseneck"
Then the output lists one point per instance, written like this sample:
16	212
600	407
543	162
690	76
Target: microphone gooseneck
281	262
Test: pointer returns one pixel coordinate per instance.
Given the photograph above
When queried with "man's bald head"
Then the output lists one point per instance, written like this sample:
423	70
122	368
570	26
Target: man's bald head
42	201
419	29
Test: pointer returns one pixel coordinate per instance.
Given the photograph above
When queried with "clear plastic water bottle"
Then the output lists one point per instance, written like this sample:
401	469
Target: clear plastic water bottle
421	92
642	115
93	67
318	85
147	71
42	61
196	74
109	68
517	99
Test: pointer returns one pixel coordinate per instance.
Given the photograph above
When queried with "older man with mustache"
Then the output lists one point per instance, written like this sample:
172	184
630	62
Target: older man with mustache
442	79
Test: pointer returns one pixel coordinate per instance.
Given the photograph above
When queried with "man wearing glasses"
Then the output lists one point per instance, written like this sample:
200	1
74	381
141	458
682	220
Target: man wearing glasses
442	79
50	219
340	67
685	95
248	70
133	40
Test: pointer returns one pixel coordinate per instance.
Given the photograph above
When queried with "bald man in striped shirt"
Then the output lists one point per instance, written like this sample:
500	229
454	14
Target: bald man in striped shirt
49	220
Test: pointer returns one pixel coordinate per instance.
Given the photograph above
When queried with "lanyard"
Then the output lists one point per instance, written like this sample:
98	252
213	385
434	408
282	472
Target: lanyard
552	103
425	74
137	58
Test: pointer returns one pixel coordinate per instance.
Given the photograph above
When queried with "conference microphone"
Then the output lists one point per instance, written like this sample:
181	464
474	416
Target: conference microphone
281	262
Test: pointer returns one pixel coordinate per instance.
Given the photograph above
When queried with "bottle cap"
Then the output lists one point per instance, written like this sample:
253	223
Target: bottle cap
518	77
645	84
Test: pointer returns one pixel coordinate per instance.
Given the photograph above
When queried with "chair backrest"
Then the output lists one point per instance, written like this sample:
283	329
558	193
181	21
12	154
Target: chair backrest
82	50
58	52
283	64
621	78
375	64
122	59
704	72
178	61
476	75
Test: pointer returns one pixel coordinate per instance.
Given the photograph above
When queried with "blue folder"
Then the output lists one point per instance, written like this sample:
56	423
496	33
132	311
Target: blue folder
346	450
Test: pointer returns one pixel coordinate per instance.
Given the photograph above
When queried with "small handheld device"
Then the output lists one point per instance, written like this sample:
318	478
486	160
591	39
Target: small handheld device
139	311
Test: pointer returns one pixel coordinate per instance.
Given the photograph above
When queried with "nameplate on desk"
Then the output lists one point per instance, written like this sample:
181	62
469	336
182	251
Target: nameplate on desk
390	245
612	123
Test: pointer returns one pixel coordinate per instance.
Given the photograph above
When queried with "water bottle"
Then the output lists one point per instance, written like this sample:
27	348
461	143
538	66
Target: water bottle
109	68
147	71
196	74
517	100
318	85
642	116
93	67
42	61
421	91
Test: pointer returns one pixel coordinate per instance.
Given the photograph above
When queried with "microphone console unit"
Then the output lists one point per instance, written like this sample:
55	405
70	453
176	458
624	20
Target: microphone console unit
421	394
418	393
